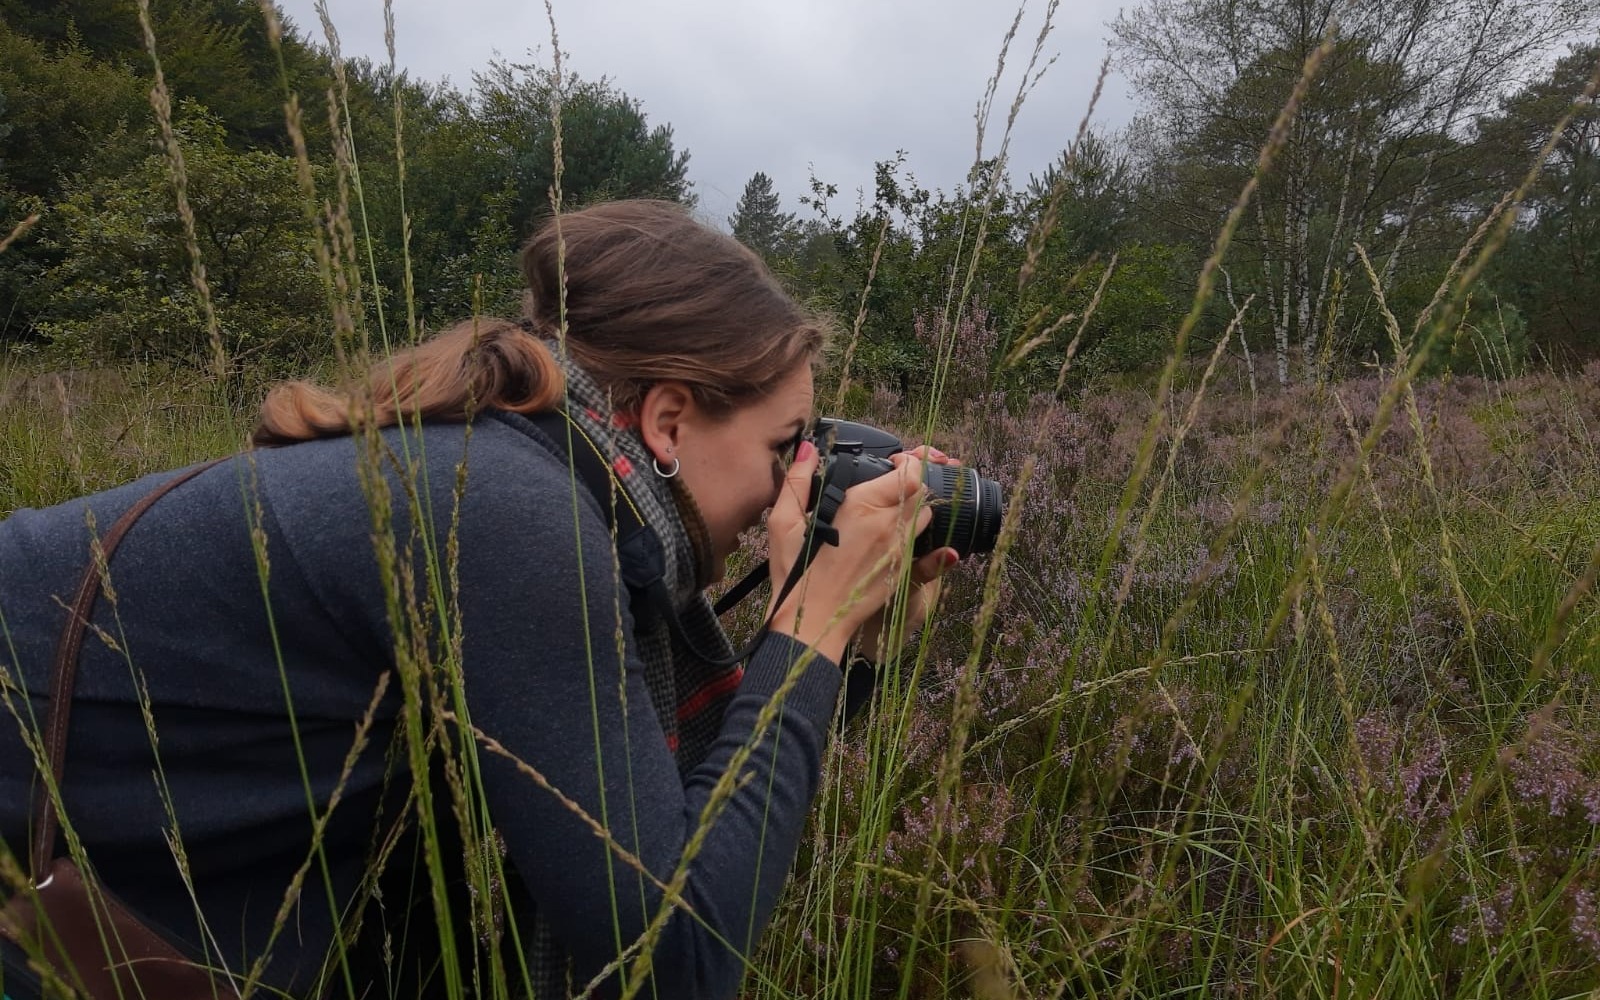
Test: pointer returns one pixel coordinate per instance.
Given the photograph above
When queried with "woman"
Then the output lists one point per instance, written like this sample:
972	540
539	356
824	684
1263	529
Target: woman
251	611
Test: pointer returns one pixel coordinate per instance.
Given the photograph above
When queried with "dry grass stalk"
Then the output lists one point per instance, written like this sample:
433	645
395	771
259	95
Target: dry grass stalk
19	231
162	103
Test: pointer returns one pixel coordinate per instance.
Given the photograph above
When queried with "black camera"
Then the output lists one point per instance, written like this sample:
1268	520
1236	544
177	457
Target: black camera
967	508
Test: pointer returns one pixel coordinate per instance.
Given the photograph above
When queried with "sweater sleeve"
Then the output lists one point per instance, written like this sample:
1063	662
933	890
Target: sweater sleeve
547	678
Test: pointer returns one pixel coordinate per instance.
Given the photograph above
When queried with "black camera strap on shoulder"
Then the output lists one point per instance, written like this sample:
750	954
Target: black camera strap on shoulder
821	531
639	553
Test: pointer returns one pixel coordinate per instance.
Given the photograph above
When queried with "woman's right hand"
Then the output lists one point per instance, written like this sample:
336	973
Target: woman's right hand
845	584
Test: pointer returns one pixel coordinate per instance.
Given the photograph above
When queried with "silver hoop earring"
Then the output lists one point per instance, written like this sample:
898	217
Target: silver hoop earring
677	464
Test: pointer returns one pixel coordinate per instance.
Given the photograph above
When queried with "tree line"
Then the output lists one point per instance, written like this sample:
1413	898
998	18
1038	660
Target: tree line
104	274
1422	115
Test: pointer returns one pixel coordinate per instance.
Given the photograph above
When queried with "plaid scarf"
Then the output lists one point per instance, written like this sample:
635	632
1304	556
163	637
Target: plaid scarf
688	693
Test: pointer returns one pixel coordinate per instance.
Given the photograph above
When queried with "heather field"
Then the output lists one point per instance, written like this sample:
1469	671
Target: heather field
1268	738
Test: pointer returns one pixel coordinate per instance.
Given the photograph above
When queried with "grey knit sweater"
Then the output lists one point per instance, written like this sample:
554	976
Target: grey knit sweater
191	622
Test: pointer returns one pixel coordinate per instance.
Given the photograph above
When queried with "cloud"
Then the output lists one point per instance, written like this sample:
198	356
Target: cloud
778	85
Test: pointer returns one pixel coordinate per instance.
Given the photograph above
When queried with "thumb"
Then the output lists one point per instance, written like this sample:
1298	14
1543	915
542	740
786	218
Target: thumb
795	493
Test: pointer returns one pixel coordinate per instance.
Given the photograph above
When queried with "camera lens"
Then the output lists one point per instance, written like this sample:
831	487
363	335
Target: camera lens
967	510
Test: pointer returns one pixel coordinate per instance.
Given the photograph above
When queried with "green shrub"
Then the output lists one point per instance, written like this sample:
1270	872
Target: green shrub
122	288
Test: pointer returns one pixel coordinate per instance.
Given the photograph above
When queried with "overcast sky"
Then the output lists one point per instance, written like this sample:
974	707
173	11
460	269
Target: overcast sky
781	86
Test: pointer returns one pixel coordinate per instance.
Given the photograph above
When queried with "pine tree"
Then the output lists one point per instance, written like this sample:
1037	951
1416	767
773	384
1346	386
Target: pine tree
759	222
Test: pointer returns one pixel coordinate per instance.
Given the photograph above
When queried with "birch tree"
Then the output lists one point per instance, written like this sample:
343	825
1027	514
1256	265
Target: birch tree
1380	153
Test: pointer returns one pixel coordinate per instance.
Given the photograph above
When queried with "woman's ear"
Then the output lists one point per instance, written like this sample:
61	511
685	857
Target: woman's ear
662	412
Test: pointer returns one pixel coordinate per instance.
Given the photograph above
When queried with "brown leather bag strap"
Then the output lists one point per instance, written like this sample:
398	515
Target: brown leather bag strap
65	672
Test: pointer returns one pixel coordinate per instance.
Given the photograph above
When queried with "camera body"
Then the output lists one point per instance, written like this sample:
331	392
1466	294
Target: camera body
967	508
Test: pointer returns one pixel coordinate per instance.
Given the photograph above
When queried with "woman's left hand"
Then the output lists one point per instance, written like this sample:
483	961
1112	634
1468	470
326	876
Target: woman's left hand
872	641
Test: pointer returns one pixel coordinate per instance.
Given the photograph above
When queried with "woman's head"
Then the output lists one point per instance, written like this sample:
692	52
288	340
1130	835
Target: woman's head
689	333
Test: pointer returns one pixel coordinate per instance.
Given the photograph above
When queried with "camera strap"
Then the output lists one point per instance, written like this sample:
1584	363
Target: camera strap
821	530
82	934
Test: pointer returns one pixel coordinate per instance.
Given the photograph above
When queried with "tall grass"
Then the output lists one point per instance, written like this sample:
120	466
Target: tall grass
63	434
1259	695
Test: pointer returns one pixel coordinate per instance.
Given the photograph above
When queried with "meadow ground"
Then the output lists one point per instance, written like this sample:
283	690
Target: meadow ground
1240	733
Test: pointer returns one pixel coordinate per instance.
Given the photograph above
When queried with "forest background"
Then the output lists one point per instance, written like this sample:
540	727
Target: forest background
1417	123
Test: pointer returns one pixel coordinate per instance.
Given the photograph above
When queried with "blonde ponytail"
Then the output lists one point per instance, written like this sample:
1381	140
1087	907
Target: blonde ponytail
473	366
